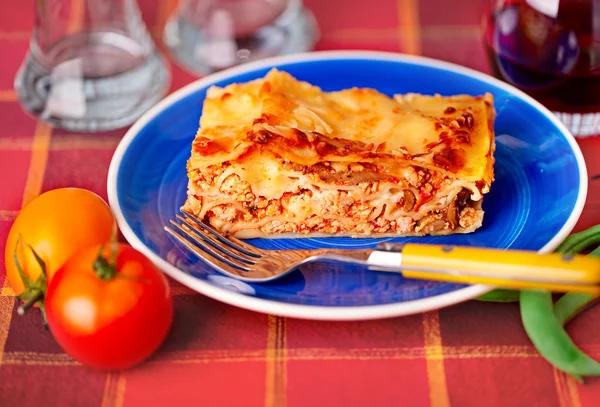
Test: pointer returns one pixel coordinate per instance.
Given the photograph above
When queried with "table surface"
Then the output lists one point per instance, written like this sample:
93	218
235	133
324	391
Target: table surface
472	354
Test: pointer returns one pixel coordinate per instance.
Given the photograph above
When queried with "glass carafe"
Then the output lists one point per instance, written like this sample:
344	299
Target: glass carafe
205	36
91	65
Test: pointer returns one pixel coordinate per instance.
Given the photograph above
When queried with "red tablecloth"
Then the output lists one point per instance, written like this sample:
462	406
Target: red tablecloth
473	354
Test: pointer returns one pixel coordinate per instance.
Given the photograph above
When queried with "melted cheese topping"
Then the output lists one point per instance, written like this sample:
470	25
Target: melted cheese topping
264	174
301	123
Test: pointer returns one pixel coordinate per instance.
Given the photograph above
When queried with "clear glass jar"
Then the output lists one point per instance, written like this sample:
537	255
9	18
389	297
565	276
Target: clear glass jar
91	66
205	36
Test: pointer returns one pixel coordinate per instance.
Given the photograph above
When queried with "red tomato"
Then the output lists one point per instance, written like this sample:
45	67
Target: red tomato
109	317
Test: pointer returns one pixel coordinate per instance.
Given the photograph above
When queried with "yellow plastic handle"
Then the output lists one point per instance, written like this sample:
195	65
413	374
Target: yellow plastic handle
502	268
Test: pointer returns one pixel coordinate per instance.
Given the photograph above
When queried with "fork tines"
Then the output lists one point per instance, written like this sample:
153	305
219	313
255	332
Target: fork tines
215	248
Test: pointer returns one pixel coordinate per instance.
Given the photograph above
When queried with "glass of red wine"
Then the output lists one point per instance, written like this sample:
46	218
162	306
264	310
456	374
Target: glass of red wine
550	49
205	36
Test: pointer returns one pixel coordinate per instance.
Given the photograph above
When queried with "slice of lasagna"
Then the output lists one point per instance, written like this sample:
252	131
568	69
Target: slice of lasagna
278	157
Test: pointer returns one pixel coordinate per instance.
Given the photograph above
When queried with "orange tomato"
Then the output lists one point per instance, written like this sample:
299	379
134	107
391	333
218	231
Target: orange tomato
56	224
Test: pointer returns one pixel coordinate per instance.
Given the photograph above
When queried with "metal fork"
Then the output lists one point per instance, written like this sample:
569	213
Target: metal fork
468	265
245	262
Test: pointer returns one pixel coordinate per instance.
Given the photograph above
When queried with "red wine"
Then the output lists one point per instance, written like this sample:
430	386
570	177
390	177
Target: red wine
553	58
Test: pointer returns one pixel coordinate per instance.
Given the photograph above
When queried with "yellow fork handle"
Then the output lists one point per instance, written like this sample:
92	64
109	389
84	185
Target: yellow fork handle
501	268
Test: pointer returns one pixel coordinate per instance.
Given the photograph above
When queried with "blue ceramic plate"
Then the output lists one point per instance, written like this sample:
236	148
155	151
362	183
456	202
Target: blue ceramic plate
538	195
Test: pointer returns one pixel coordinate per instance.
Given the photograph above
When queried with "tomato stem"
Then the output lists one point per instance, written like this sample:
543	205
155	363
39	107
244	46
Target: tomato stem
39	260
104	270
34	291
43	311
36	295
26	281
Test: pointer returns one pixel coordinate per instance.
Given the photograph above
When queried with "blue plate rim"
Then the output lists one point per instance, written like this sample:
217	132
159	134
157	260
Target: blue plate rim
329	313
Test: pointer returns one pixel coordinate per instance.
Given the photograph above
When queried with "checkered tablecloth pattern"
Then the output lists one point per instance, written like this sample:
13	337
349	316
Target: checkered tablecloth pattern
472	354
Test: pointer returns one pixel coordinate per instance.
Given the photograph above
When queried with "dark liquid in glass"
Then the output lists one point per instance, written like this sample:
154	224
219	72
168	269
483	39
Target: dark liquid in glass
554	56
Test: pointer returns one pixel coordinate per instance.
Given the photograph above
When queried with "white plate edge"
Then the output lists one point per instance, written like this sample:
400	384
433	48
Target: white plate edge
329	312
